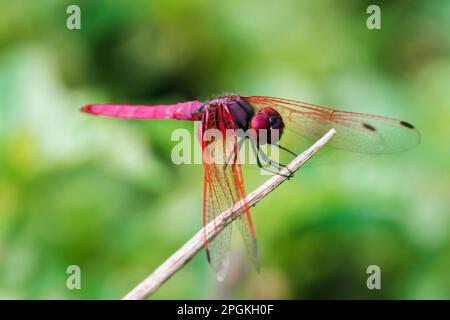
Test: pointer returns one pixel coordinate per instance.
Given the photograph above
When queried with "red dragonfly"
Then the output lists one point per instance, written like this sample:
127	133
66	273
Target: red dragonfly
223	181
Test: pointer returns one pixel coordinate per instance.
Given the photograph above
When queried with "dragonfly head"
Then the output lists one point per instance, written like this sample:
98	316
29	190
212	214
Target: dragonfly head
267	125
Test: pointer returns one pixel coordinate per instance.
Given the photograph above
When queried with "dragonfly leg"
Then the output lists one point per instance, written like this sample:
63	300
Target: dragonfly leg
285	149
279	166
256	150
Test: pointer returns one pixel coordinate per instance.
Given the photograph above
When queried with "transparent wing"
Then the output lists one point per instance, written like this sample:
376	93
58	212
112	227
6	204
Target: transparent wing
223	186
356	132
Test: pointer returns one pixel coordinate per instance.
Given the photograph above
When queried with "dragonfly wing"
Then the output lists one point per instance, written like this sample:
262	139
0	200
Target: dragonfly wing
223	186
356	132
214	202
245	226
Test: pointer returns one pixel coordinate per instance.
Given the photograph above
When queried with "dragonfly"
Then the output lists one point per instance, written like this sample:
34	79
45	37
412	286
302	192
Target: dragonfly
264	116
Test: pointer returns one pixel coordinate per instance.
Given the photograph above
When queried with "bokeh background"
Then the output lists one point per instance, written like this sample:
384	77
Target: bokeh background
103	194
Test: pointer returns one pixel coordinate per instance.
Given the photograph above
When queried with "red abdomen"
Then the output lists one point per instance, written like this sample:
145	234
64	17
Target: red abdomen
182	111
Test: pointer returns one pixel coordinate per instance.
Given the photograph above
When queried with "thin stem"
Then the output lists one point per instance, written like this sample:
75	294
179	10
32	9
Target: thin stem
175	262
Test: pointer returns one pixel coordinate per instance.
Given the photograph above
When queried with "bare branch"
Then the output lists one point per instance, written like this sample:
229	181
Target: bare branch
190	248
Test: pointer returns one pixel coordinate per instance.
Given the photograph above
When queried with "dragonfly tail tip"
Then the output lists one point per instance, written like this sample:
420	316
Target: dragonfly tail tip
87	108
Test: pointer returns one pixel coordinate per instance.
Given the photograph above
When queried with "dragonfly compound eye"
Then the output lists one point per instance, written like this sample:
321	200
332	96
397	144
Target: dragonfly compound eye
267	125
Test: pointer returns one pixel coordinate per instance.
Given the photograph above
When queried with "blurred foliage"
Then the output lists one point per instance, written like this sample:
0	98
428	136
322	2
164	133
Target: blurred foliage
103	194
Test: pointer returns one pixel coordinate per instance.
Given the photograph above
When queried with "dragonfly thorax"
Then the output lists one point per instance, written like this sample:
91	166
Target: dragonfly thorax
240	110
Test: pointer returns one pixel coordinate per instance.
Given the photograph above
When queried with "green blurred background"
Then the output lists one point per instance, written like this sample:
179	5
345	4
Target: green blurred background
103	194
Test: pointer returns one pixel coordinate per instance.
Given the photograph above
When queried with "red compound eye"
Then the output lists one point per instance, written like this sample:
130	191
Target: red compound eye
269	120
260	121
270	112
